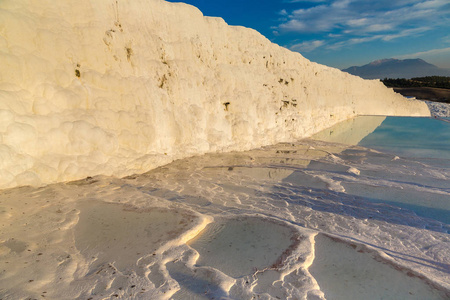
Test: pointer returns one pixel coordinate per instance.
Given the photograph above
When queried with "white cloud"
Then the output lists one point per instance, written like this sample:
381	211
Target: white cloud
426	53
382	19
341	4
363	39
406	32
370	38
343	23
337	45
432	4
307	46
357	22
353	41
314	19
283	12
293	25
379	27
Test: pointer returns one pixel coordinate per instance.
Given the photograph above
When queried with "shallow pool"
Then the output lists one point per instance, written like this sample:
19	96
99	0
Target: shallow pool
413	137
419	147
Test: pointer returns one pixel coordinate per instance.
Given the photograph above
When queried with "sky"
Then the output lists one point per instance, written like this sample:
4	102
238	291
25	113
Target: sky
344	33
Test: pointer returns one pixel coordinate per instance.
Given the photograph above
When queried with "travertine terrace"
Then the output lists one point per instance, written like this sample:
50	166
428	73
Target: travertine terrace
110	87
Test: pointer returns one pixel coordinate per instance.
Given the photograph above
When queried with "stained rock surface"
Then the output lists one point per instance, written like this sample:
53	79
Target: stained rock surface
120	87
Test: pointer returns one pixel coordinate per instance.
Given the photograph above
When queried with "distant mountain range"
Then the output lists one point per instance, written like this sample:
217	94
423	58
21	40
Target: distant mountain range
397	68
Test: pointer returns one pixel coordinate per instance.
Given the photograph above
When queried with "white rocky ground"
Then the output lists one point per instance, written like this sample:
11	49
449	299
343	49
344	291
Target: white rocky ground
438	109
280	222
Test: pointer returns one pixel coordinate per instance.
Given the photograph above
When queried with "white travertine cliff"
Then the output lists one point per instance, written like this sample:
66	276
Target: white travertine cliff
112	87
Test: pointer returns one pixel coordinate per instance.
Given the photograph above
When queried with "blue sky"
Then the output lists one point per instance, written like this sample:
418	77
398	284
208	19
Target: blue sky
344	33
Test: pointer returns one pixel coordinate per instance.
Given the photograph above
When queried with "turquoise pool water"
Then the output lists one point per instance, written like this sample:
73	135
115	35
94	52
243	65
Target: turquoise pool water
415	157
412	137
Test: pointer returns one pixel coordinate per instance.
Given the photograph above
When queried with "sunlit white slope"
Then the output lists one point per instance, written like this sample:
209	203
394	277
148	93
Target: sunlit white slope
117	87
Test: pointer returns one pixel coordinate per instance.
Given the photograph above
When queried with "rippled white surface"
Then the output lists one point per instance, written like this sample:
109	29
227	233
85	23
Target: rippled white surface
311	219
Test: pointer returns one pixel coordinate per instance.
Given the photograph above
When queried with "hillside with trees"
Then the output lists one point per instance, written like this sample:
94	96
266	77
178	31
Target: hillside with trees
433	88
442	82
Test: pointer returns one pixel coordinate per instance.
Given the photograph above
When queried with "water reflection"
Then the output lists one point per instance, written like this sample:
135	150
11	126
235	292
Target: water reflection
419	184
412	137
350	131
405	136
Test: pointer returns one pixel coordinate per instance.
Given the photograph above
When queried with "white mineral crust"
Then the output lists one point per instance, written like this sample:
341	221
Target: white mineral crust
93	87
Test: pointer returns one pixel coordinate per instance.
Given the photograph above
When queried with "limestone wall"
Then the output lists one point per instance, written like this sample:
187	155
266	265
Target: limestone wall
112	87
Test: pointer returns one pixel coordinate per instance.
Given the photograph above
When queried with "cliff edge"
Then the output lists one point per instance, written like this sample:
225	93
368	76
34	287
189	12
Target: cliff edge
112	87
